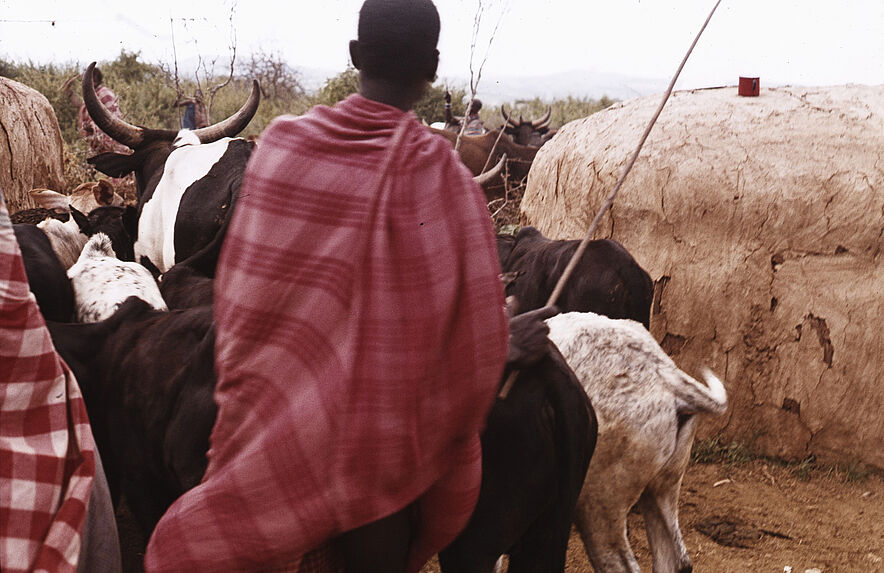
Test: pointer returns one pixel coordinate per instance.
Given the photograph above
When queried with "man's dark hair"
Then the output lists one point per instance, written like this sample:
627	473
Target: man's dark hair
398	39
477	105
97	76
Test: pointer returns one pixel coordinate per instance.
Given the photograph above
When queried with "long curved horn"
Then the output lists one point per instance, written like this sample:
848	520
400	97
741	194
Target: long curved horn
235	123
486	177
116	128
543	121
507	117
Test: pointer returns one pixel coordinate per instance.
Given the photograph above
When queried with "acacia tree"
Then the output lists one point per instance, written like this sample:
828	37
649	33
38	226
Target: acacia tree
278	80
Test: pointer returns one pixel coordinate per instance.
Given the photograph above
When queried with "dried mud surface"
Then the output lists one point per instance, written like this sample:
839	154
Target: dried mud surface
765	519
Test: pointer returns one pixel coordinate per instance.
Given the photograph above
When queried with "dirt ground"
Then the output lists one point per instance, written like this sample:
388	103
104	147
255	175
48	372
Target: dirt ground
765	519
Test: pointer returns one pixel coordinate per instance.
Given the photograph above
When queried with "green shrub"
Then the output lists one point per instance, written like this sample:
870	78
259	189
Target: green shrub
148	92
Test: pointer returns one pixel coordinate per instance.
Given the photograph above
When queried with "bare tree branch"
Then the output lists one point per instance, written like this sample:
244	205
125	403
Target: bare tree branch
214	89
476	77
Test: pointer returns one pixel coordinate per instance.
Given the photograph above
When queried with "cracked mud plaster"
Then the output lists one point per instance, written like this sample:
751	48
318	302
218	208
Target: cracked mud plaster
754	246
819	326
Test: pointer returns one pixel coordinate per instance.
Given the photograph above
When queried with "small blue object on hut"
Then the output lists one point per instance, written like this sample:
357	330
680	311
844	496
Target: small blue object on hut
748	87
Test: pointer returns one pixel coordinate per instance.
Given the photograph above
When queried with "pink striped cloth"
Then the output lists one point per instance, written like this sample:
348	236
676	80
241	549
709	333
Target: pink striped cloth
99	141
47	463
360	341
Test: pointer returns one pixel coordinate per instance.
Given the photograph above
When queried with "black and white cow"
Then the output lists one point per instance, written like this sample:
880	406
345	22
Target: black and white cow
102	282
187	182
607	279
190	282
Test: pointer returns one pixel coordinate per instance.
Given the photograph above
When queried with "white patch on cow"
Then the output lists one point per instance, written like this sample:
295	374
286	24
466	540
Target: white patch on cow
66	239
102	282
640	397
185	137
156	225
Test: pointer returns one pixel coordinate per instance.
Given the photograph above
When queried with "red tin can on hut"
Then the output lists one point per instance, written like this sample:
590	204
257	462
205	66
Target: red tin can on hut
748	87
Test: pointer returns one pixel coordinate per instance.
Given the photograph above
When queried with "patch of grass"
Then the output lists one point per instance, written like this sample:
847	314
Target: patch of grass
804	469
854	472
713	450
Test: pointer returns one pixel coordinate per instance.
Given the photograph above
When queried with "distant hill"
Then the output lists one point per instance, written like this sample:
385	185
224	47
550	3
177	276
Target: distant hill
578	83
494	90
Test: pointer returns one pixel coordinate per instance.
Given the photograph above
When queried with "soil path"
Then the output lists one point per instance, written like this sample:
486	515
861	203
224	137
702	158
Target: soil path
766	519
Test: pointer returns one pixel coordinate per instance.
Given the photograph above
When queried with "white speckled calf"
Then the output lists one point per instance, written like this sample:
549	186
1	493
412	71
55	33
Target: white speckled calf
646	409
102	282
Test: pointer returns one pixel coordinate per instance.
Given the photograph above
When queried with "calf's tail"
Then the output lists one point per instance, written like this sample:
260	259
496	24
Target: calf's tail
696	398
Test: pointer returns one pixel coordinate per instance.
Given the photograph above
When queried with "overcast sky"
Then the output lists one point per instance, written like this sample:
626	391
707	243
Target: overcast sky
805	42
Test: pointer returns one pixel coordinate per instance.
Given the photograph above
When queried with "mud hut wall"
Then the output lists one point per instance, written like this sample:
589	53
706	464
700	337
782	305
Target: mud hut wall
761	222
31	148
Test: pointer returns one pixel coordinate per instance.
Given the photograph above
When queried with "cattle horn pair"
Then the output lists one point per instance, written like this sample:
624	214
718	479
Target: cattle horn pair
536	124
135	136
508	119
492	173
543	121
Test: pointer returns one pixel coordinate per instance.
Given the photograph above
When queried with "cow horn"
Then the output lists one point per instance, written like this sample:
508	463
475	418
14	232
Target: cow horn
543	121
235	123
116	128
507	117
486	177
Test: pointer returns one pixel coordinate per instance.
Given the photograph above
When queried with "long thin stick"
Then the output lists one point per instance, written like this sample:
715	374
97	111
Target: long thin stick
610	201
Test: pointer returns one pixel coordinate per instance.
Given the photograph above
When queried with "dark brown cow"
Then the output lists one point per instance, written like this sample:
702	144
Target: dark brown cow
536	448
528	132
475	150
148	380
607	280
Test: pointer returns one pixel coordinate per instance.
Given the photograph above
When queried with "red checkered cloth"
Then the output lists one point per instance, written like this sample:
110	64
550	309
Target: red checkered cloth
99	141
47	462
360	341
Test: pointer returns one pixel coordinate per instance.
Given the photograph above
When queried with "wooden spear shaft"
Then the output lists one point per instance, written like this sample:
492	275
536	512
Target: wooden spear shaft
610	201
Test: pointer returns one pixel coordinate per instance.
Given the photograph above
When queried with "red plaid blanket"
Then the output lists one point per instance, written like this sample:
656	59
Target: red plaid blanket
47	460
360	341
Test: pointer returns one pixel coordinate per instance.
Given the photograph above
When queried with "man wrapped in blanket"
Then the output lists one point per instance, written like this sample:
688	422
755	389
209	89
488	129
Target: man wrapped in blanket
361	335
55	507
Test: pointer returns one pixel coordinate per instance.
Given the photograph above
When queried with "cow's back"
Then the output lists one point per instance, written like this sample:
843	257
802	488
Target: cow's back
607	279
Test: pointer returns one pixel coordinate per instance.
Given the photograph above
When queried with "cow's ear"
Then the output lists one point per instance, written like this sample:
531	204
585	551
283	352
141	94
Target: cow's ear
113	164
130	221
103	192
82	221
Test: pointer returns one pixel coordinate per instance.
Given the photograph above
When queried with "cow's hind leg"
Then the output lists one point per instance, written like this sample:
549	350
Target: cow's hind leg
659	508
603	530
544	547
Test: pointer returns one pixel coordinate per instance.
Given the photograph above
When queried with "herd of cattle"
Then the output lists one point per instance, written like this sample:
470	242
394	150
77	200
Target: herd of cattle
604	422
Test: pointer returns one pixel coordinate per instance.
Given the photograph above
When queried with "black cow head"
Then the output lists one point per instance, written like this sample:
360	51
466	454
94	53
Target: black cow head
120	224
530	132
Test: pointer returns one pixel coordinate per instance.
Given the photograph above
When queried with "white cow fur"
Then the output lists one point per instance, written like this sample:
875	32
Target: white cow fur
637	392
189	162
66	239
102	282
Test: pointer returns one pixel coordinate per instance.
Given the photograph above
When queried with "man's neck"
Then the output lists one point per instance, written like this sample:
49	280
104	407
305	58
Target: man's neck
391	93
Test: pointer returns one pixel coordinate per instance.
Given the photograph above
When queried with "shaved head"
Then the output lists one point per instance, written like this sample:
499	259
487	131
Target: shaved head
397	39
